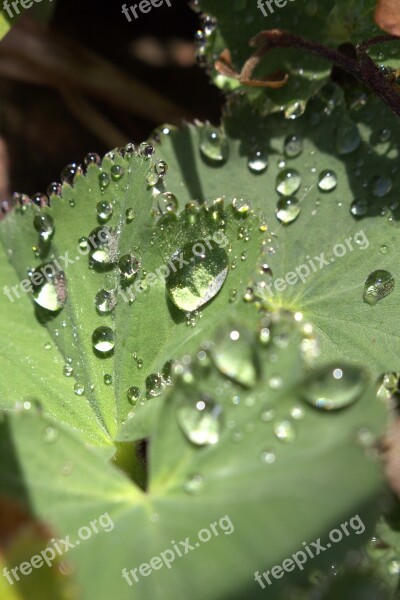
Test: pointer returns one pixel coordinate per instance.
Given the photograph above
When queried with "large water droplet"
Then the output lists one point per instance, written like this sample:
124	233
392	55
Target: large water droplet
327	181
288	182
213	144
200	420
103	339
233	354
117	172
293	146
333	387
49	287
44	224
199	280
378	285
258	161
287	210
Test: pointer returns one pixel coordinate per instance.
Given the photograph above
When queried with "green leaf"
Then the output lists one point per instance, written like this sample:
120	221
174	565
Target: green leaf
331	24
361	148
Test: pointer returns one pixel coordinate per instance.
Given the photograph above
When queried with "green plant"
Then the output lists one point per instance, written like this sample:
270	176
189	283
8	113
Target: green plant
217	392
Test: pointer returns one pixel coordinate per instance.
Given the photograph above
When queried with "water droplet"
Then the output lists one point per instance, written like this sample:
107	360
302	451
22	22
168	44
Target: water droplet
146	150
69	172
105	301
108	379
103	339
117	172
333	387
161	168
378	285
44	224
79	389
50	435
104	211
258	161
133	395
240	206
293	146
384	135
92	159
103	245
383	249
155	385
83	243
268	457
47	346
104	181
213	144
128	267
200	279
295	109
193	484
327	181
267	414
167	203
359	208
49	287
347	138
129	215
297	413
287	210
381	185
55	189
68	370
234	356
285	431
200	420
152	178
288	182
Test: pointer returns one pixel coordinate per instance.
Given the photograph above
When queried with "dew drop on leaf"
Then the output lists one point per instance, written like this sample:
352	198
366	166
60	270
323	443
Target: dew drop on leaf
380	185
92	159
104	211
327	181
117	172
285	431
193	485
44	224
104	180
240	206
107	379
378	285
167	203
161	168
103	339
359	208
295	109
200	420
288	182
213	144
347	138
287	210
200	279
69	172
146	150
155	385
103	243
129	215
128	267
233	354
105	301
333	387
79	389
268	456
133	395
49	287
258	161
293	146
